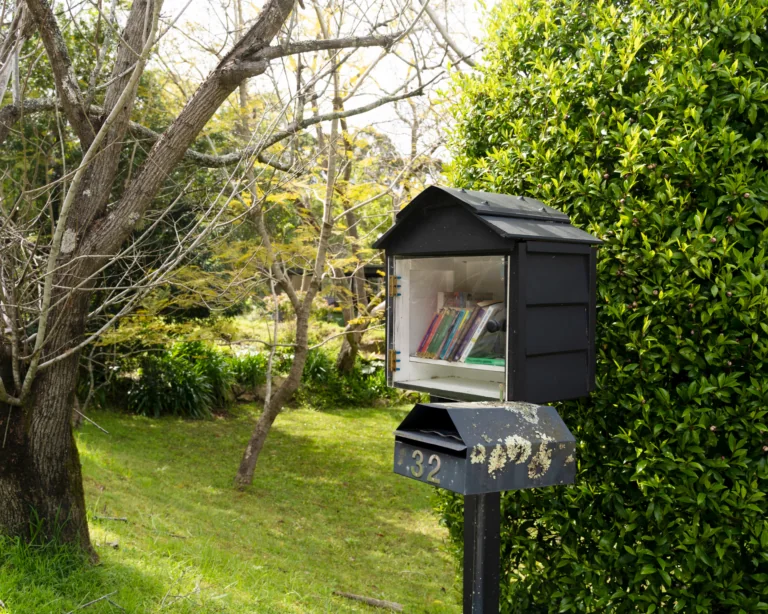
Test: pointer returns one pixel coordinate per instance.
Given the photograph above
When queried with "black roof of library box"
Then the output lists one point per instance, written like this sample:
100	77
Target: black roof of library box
502	219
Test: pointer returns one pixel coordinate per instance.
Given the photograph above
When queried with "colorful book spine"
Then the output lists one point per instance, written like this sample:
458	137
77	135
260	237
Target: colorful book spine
427	341
451	338
474	334
428	334
489	311
466	334
439	337
456	315
461	333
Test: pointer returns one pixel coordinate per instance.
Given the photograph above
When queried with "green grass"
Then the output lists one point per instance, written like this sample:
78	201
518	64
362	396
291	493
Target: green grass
325	513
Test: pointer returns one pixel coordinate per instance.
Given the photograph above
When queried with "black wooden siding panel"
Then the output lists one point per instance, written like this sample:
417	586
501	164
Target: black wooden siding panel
557	279
592	358
556	329
558	248
556	377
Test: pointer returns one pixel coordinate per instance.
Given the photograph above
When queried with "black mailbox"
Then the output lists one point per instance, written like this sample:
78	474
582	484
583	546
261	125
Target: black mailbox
476	448
489	297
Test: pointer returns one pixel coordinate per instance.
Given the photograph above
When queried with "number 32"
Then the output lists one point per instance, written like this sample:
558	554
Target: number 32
418	470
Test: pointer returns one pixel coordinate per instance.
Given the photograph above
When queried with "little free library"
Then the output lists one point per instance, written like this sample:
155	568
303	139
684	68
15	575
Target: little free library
489	297
490	310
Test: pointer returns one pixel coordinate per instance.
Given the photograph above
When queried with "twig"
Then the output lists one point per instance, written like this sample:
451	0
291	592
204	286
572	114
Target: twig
110	518
91	421
180	578
90	603
177	598
116	605
8	424
376	603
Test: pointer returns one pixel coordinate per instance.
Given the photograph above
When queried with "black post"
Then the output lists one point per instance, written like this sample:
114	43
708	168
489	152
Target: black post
482	546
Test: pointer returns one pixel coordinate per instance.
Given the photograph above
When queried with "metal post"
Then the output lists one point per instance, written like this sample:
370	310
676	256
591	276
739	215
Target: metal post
482	545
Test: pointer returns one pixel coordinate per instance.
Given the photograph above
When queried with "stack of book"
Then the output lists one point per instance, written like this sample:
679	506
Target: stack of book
456	328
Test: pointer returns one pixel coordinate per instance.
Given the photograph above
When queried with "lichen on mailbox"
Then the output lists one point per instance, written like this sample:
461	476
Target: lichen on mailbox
495	446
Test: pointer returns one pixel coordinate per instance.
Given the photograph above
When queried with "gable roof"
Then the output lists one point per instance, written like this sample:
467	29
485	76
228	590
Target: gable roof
488	203
510	217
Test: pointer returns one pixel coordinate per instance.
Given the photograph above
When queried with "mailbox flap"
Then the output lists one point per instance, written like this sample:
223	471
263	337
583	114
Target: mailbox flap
441	439
431	426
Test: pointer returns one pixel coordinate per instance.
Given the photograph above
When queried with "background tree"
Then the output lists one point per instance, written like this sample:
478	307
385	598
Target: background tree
329	240
645	122
57	239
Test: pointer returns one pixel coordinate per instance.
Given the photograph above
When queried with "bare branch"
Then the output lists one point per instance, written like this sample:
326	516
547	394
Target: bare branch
11	113
165	154
355	42
464	57
63	73
296	127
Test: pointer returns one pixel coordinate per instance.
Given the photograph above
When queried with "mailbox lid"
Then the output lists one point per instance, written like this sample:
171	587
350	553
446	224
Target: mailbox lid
428	448
513	445
507	446
432	426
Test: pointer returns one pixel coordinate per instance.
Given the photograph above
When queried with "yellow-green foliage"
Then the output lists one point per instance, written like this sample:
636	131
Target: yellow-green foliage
645	122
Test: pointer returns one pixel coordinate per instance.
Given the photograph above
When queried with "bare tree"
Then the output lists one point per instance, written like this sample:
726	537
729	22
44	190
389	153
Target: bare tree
53	256
336	166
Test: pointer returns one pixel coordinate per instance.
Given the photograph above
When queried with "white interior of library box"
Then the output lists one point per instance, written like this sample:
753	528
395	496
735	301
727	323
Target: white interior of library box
458	331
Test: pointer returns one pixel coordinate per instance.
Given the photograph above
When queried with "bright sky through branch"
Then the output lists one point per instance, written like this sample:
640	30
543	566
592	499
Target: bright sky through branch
203	28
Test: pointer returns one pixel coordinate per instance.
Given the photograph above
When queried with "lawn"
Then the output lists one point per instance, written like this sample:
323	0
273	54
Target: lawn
325	514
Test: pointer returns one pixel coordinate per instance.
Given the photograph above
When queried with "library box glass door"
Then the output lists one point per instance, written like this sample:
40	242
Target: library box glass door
449	326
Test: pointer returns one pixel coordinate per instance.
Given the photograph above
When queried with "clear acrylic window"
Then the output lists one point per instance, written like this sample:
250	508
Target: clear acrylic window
441	327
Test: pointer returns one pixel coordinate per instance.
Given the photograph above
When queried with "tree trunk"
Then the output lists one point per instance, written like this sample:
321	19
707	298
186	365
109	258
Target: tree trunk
77	416
345	361
41	486
272	407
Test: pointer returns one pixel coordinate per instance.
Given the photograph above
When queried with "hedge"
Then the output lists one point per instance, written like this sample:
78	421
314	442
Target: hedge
645	122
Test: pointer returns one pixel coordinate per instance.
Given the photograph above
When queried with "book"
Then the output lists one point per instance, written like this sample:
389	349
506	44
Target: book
497	362
464	332
454	317
461	333
428	335
454	334
453	299
440	333
453	314
456	327
472	334
489	311
431	332
466	335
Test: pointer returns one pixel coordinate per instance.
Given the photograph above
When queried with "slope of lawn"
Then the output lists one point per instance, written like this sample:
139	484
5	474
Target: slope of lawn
325	514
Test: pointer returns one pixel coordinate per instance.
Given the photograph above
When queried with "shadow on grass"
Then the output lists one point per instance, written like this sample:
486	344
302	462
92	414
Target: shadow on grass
58	579
325	512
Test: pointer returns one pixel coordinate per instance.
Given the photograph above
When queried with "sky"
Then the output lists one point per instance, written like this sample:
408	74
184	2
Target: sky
208	19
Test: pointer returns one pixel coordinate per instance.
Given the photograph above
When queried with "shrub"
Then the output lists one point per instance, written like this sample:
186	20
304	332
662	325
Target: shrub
250	370
324	387
192	378
213	365
645	122
169	384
